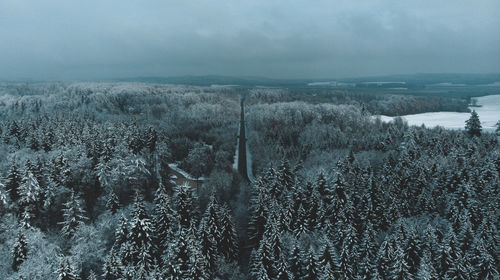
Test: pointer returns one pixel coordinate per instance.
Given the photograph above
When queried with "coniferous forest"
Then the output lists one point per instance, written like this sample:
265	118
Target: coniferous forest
136	181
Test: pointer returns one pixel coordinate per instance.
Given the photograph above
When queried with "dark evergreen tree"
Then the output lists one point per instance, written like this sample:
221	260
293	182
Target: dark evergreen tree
426	270
228	238
282	271
20	251
412	252
485	267
73	215
186	205
258	219
66	271
164	220
310	270
13	181
112	203
177	259
92	275
112	266
285	177
473	125
141	236
327	256
210	233
121	233
295	262
399	268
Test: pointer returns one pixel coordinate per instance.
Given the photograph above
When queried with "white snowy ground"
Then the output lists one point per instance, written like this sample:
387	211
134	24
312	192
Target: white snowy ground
489	114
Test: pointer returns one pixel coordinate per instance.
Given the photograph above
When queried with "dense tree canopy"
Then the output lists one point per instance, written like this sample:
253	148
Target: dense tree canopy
88	189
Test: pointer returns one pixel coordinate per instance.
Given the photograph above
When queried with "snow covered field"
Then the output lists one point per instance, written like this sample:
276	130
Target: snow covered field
489	114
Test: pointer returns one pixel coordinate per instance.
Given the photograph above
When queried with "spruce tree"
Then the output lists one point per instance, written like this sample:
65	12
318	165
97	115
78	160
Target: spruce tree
73	215
485	267
399	268
258	219
20	251
228	238
92	275
112	203
187	205
29	191
141	236
13	181
164	220
282	271
327	256
310	270
177	258
295	261
426	270
112	266
473	125
66	271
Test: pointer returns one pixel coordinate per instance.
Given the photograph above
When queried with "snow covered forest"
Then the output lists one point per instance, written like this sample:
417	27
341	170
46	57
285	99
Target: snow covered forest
86	191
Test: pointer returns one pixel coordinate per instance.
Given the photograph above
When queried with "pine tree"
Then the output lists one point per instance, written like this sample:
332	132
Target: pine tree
177	259
460	268
327	256
327	273
140	236
258	219
228	238
112	203
367	251
345	264
66	271
473	125
485	267
20	251
262	259
112	266
210	233
164	220
92	275
285	176
199	269
13	181
121	233
186	205
295	262
310	269
282	272
30	194
399	268
73	215
384	256
426	270
412	252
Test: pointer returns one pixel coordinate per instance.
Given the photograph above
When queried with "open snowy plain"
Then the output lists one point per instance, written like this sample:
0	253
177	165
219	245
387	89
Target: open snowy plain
489	114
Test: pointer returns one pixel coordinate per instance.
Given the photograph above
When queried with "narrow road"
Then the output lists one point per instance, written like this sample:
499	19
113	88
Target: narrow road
242	143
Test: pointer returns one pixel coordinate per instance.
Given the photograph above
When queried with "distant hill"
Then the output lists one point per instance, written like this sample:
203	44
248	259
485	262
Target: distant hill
411	80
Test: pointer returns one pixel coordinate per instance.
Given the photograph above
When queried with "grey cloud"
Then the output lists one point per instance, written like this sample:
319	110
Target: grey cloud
69	39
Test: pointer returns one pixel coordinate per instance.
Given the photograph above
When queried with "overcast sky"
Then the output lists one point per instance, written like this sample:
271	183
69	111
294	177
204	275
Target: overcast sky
97	39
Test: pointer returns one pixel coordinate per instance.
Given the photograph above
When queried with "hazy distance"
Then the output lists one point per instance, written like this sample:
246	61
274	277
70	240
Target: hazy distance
69	39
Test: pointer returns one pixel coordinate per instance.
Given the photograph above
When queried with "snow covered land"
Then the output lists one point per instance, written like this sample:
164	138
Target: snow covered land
489	114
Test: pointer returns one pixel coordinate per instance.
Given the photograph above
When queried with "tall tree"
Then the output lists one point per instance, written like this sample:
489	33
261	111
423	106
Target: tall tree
164	220
73	215
13	181
473	125
20	251
66	271
141	236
